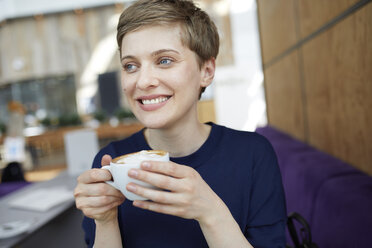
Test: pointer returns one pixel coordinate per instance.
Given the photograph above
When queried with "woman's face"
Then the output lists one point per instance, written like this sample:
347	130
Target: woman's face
161	77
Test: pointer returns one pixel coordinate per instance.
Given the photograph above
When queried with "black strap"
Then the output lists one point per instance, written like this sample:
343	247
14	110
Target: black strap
306	240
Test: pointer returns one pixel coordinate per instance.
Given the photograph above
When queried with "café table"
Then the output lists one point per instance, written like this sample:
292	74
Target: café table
59	226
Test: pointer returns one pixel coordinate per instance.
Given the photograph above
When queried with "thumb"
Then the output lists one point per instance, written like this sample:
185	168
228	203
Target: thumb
106	159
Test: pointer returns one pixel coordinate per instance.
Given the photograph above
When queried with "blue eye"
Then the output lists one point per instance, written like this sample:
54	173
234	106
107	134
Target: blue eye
165	61
130	67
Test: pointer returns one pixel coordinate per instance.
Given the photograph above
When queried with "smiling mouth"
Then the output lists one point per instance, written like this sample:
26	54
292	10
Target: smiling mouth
154	100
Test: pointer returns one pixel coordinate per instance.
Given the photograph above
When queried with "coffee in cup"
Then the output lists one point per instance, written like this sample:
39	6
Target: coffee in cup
120	166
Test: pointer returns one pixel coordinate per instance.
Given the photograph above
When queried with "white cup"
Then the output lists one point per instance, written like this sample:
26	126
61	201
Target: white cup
120	166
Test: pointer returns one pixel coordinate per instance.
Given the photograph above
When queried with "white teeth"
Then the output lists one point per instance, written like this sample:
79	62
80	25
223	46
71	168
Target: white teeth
154	101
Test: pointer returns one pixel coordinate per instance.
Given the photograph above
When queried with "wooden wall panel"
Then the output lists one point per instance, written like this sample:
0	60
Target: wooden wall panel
206	111
225	56
277	27
338	75
219	11
283	96
315	13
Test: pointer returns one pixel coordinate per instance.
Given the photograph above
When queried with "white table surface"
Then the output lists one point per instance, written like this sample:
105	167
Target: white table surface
39	219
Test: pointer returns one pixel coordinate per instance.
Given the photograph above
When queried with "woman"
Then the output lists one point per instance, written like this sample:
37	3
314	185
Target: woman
222	186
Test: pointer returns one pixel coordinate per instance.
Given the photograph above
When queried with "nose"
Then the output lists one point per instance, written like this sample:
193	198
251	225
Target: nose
147	78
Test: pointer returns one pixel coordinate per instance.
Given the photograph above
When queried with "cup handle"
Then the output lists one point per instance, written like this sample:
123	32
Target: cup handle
112	183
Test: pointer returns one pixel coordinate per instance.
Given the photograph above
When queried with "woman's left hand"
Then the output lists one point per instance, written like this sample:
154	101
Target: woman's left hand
187	195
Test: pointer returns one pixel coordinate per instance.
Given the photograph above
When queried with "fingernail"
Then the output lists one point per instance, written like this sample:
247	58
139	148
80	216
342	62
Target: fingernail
131	187
133	173
138	203
146	165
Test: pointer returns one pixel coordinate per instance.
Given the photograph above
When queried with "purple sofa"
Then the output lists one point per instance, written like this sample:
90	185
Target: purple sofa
334	197
9	187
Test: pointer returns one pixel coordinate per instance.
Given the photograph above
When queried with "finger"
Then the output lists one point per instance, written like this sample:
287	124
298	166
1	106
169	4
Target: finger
94	175
97	201
155	195
159	180
95	212
162	208
96	189
166	168
106	159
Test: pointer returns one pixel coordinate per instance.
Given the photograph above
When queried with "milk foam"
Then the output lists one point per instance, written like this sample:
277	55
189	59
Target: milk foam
141	156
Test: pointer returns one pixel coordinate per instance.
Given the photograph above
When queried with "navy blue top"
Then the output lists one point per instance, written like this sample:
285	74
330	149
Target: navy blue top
241	167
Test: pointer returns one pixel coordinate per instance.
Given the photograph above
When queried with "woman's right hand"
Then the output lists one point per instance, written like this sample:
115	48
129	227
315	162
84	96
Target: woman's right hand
94	197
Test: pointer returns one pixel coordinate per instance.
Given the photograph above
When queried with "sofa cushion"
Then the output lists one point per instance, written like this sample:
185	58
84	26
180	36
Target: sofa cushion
342	212
284	145
334	197
305	174
304	169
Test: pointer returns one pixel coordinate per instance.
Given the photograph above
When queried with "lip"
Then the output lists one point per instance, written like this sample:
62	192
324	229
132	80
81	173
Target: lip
152	107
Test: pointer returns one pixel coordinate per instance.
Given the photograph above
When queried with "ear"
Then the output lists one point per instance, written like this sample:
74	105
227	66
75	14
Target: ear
207	71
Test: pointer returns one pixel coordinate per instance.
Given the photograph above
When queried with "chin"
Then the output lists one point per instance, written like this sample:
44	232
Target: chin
154	123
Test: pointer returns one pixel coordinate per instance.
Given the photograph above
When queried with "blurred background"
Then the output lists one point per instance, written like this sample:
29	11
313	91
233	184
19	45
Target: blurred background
302	68
59	61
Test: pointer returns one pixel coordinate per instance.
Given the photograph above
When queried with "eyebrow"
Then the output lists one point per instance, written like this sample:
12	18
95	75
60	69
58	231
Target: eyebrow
153	54
127	57
163	51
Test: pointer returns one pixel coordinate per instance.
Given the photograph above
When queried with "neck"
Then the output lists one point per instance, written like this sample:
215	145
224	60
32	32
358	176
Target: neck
179	141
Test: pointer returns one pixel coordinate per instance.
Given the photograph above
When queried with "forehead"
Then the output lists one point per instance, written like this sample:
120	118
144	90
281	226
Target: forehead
153	37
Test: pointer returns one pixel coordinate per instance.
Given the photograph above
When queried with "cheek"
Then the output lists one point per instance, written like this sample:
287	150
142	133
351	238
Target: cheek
190	78
126	84
122	80
127	91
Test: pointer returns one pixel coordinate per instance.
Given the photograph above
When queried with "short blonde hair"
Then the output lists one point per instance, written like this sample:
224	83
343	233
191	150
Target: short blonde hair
200	33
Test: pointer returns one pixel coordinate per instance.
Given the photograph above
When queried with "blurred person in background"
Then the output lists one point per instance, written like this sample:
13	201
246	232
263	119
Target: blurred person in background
222	187
13	172
14	144
15	124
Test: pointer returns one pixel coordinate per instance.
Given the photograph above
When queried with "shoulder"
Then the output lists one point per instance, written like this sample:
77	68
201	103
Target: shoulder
251	146
245	139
